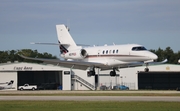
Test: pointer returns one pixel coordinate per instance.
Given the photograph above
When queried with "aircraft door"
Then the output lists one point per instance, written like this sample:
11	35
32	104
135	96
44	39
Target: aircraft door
98	53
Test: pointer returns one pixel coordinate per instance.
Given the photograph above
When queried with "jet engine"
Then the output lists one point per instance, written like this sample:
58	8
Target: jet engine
76	54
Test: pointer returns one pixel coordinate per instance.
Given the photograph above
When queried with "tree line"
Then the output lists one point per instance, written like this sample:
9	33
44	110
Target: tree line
167	53
12	55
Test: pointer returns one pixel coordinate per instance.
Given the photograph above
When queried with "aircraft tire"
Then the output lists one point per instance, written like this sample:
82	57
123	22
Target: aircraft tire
93	73
146	69
112	73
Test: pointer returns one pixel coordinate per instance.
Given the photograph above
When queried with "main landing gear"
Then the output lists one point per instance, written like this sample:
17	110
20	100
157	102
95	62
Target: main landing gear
93	73
113	73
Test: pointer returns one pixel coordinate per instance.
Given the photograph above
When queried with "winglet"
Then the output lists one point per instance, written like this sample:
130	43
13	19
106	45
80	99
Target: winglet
156	63
164	61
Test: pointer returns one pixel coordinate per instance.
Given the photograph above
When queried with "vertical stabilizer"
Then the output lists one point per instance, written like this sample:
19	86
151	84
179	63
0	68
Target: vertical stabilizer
65	39
10	83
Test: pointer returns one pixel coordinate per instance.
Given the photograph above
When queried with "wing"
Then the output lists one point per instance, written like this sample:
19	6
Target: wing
144	63
70	64
132	64
84	65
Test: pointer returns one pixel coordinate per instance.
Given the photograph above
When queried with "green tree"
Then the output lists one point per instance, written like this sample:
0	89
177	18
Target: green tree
168	53
12	55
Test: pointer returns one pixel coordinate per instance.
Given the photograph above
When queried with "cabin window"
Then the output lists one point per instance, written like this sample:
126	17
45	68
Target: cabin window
113	51
106	51
116	51
140	48
110	52
103	51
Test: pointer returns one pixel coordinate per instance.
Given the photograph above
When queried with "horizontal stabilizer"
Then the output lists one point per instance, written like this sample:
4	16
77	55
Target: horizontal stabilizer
40	43
49	43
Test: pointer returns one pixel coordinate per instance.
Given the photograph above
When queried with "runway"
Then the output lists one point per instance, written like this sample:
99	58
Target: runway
90	98
59	96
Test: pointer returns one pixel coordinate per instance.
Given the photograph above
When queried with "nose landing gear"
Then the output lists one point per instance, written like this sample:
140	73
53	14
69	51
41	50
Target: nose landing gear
146	69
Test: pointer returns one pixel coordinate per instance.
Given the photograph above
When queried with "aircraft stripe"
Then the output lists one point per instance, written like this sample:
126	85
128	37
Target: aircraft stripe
62	48
91	56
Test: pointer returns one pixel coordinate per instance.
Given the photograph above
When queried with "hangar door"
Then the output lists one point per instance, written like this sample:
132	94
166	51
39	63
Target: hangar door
159	80
40	78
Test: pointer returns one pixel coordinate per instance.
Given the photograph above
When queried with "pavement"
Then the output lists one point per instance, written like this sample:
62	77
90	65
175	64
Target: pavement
79	92
90	98
86	98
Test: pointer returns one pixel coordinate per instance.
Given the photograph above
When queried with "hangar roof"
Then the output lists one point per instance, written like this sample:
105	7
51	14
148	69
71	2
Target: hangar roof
22	66
166	67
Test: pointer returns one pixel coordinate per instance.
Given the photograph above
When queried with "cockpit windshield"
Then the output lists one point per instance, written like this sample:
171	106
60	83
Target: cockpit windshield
139	48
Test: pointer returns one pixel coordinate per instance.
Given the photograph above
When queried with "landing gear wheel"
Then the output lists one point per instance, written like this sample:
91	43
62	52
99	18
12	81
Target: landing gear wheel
91	73
146	69
112	73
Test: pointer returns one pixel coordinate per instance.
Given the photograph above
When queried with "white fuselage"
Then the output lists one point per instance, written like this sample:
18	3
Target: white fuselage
6	86
114	54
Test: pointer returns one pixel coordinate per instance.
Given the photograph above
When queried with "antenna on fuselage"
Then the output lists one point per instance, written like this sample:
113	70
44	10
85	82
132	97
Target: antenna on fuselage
68	25
114	43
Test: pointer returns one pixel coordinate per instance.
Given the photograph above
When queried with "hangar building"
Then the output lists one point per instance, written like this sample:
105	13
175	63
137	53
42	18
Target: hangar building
38	74
160	77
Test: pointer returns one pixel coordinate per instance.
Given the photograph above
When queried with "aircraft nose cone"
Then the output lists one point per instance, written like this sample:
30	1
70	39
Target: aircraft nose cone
154	56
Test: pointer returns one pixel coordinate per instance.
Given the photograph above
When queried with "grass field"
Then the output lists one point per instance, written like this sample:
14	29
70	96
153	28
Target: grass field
87	106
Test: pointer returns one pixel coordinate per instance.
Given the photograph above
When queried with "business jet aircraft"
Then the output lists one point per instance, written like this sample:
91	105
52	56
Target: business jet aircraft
102	57
7	85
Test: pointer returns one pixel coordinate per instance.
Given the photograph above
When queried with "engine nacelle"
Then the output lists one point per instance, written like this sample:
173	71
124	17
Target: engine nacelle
76	54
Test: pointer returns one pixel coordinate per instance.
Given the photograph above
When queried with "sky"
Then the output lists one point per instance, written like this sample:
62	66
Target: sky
152	23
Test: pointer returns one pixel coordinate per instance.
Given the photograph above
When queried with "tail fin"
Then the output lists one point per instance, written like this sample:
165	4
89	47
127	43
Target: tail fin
64	38
10	83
